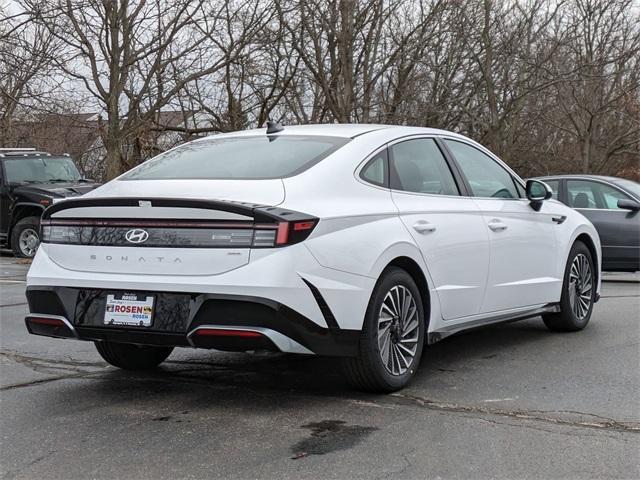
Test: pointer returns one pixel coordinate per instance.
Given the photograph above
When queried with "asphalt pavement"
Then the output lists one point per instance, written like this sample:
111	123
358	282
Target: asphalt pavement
511	401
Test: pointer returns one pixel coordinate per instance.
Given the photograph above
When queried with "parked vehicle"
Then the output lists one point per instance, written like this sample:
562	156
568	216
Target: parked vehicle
613	206
30	181
360	241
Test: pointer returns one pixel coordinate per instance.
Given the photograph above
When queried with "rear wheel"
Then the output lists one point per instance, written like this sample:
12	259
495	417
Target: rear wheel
132	357
578	292
392	339
25	238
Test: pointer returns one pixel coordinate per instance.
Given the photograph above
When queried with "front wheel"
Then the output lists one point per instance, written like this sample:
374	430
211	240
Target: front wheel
578	292
392	338
132	357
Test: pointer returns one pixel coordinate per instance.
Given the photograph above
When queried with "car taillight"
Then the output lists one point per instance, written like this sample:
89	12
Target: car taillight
294	232
175	233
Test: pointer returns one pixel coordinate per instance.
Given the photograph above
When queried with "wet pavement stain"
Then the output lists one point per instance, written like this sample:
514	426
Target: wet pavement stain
329	436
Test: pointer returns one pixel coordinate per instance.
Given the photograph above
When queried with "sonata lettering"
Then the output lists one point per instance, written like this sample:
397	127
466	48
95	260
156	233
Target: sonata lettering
125	259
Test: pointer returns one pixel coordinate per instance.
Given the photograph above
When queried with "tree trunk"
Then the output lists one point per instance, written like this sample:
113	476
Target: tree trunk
113	140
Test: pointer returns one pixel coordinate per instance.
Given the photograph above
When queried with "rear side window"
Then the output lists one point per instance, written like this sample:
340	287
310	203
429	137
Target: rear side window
375	171
258	157
419	166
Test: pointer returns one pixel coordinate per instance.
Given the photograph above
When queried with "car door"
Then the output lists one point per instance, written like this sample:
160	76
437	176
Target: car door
523	269
447	227
619	229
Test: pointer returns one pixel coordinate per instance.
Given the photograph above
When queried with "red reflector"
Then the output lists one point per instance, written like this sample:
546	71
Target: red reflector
283	233
218	332
303	225
46	321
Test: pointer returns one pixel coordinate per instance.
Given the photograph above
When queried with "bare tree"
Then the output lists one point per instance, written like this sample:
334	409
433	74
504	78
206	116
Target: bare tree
26	69
549	86
597	105
135	57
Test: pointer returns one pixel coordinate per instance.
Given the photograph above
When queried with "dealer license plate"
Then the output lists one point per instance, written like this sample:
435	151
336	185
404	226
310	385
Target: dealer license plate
129	309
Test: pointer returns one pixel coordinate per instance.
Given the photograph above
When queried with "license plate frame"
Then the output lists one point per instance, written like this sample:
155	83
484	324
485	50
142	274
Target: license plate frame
129	309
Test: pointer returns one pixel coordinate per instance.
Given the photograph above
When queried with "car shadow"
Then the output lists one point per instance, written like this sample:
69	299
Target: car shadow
195	373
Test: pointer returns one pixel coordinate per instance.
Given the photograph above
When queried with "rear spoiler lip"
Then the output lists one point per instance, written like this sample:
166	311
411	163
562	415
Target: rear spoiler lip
260	213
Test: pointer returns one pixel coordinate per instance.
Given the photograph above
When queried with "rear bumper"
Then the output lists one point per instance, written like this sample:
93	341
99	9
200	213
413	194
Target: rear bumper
185	319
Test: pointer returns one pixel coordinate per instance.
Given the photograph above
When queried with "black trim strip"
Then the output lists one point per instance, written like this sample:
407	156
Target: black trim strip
260	213
324	308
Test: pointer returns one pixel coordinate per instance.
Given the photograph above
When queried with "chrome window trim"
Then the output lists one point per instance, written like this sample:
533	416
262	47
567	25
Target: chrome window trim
404	138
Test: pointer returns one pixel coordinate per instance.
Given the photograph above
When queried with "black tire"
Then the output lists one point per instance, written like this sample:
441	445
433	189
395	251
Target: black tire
132	357
572	318
367	371
25	226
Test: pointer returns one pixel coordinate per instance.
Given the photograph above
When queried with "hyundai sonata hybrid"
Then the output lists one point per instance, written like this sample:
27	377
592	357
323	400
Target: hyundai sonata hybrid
365	242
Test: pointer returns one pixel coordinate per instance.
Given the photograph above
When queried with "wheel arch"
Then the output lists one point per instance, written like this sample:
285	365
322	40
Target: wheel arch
410	266
590	244
20	211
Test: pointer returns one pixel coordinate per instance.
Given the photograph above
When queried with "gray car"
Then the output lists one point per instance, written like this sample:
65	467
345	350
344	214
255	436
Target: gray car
613	206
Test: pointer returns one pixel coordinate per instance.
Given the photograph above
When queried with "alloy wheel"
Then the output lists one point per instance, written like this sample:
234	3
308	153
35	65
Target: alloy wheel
28	242
580	286
398	332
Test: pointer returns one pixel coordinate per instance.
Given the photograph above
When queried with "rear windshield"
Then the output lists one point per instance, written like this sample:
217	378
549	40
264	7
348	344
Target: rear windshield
238	158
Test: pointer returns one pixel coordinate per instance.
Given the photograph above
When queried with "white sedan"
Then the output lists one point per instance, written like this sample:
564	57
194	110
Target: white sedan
366	242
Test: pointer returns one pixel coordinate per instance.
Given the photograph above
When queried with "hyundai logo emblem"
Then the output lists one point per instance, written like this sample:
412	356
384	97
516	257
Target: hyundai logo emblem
136	235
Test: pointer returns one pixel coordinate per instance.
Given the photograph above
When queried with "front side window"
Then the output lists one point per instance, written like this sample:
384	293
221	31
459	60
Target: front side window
419	166
587	194
258	157
41	170
486	177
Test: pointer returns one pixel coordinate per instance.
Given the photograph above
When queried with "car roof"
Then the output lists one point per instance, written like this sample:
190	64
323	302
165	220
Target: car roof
343	130
580	176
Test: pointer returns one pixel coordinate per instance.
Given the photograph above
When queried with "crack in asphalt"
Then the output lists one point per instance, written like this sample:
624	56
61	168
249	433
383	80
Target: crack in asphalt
620	296
46	362
40	381
604	423
13	304
80	370
48	366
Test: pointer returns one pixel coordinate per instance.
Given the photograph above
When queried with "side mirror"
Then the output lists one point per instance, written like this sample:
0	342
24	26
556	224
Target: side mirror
628	204
537	192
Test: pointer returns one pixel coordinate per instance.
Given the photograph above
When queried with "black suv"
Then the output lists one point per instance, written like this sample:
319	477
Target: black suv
30	181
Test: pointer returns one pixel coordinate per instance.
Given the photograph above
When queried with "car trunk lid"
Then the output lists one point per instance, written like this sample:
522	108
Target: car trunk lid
163	236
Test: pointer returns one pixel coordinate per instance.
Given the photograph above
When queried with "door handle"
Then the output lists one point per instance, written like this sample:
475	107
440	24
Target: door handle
424	227
497	225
